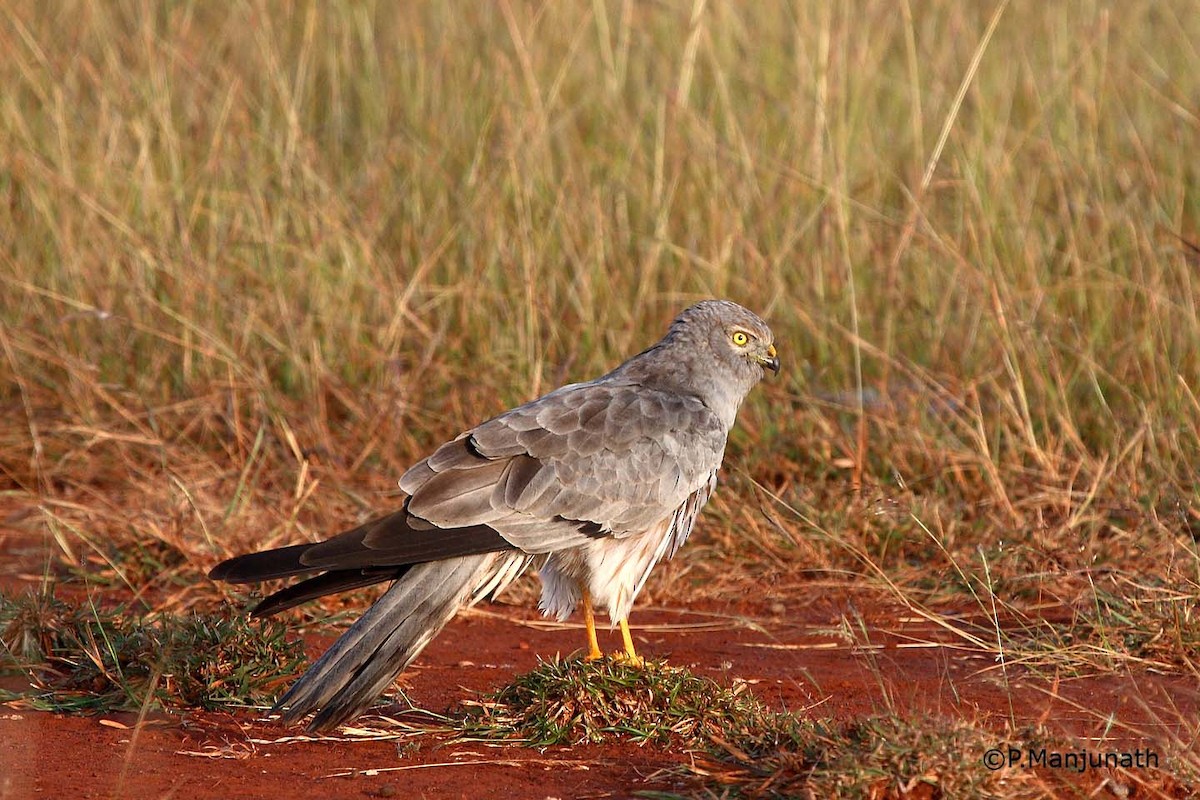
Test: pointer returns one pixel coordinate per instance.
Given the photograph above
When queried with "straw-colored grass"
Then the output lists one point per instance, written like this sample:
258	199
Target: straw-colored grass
256	258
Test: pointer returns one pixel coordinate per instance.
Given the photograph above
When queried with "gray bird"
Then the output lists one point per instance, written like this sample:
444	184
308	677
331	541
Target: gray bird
593	483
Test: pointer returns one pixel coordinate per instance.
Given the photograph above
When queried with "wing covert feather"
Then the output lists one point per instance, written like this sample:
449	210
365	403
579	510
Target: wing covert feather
586	460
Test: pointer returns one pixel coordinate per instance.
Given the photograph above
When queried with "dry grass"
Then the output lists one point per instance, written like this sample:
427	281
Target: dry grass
889	758
87	659
256	259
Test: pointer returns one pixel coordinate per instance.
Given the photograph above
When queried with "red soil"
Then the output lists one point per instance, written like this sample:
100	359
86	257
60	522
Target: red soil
783	645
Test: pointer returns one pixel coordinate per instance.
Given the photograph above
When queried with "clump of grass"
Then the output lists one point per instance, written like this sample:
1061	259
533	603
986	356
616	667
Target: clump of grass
873	757
884	756
578	702
1154	623
1152	626
84	659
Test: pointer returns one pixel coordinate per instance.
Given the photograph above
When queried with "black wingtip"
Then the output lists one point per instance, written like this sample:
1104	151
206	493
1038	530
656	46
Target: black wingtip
321	585
282	562
219	572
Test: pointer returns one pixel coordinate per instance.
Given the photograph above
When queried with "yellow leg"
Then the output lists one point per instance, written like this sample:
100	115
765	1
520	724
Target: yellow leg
630	655
589	621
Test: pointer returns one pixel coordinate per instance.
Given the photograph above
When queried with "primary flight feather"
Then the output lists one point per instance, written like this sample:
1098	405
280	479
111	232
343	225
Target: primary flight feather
593	483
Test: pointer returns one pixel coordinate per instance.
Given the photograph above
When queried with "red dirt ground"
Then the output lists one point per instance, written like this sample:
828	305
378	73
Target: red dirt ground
783	644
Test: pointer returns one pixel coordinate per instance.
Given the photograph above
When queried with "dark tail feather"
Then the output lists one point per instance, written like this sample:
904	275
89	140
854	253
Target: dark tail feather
435	572
282	562
389	541
368	657
321	585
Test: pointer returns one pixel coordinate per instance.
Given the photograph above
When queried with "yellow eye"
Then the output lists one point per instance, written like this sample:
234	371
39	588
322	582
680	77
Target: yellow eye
740	338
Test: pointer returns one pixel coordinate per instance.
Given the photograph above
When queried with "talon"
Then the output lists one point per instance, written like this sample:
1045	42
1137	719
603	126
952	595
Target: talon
623	658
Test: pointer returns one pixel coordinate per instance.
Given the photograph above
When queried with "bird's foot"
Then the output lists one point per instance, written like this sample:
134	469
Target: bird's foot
628	660
629	657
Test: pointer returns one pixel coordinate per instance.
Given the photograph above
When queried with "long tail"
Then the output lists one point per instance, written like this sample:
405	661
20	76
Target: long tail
368	657
435	572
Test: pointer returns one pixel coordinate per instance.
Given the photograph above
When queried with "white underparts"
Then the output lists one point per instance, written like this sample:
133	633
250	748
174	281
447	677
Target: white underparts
614	569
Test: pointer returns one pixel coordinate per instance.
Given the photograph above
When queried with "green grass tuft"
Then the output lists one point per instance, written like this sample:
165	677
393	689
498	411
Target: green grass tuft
577	702
84	659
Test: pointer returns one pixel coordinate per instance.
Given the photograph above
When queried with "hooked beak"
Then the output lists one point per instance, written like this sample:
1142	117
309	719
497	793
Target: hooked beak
771	361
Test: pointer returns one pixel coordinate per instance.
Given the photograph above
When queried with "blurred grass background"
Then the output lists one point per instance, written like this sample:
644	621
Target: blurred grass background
256	258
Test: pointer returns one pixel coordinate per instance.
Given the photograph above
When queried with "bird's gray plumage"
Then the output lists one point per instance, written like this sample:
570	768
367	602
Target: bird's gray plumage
595	482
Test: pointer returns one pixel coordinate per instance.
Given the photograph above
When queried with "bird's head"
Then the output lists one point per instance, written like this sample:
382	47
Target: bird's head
753	341
735	337
716	350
